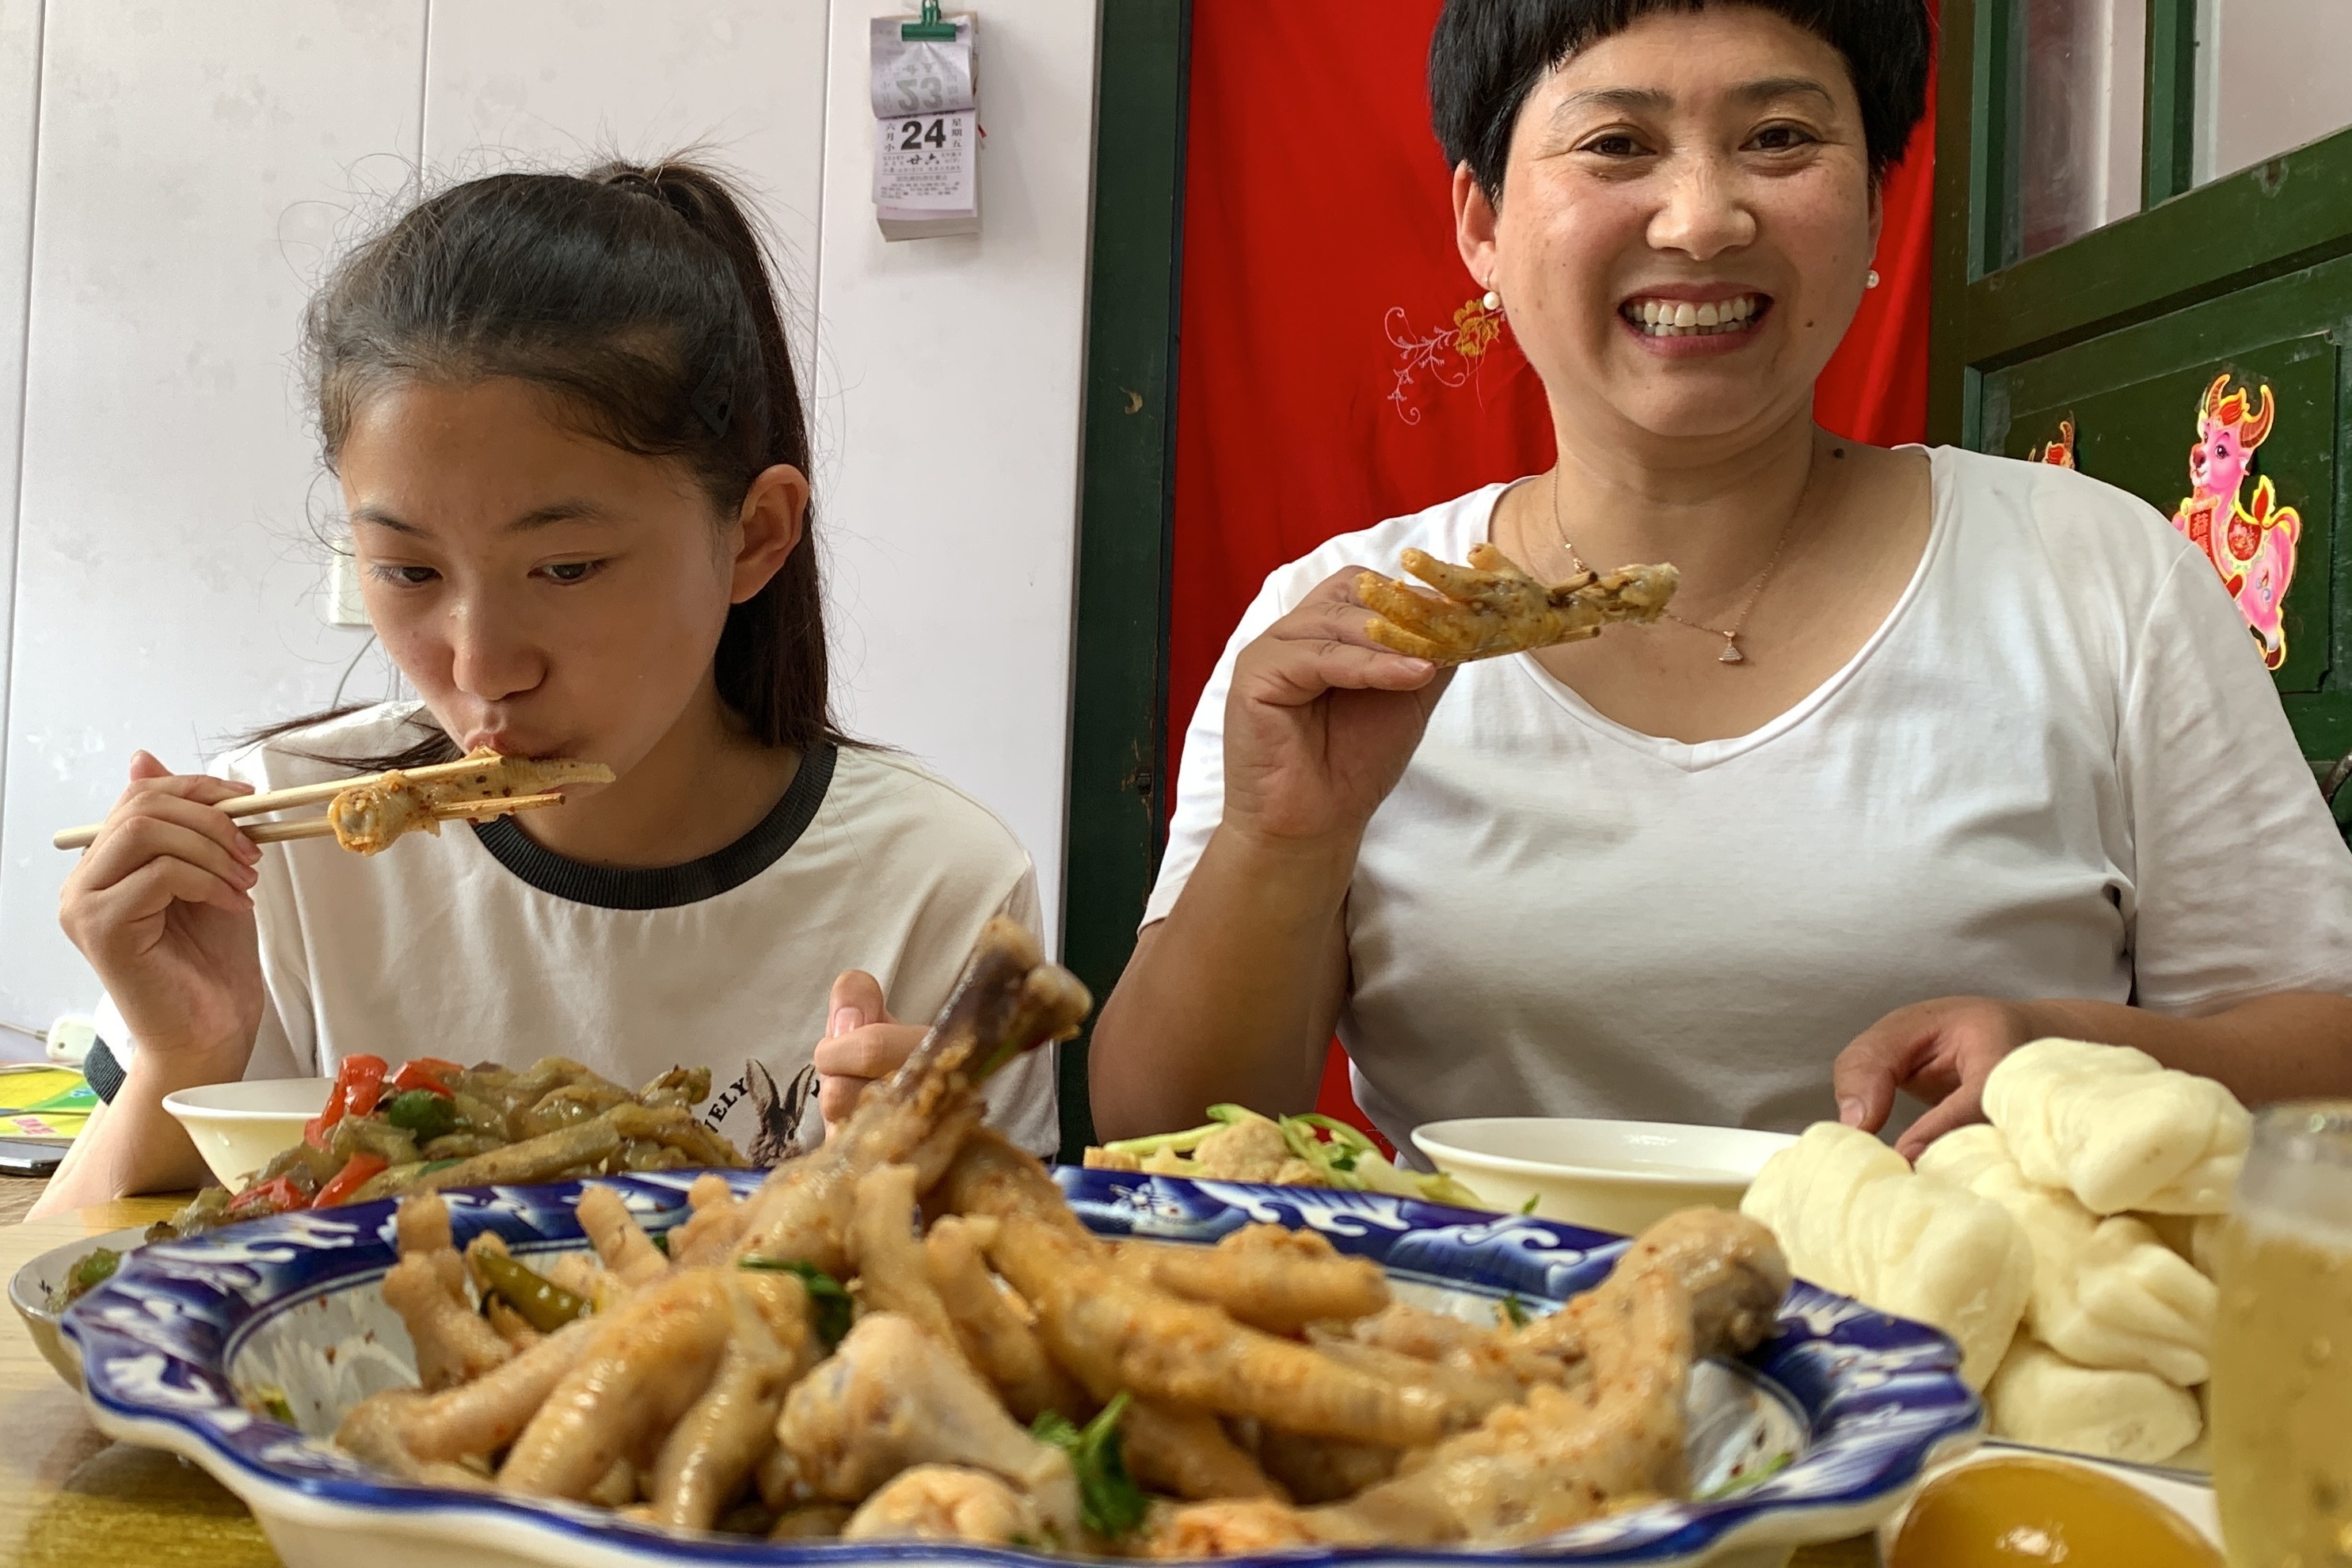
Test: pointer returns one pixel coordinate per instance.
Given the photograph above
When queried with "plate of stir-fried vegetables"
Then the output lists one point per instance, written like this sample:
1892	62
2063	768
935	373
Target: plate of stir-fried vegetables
1308	1149
430	1123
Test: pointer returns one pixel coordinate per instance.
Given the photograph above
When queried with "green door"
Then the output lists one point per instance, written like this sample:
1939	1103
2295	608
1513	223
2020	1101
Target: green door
2143	267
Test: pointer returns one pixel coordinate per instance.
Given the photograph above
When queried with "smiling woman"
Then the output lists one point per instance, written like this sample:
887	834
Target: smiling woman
573	454
1912	769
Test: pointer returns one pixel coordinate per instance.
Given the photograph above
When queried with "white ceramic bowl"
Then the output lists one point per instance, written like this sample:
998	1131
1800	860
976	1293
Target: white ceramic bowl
28	1292
1609	1175
236	1127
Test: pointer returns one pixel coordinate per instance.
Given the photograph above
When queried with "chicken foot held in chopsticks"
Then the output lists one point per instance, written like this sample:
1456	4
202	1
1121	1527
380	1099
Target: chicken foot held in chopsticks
1008	1001
1492	607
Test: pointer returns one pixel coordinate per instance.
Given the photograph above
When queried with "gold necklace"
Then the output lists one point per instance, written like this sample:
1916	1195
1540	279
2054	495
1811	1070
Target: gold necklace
1731	653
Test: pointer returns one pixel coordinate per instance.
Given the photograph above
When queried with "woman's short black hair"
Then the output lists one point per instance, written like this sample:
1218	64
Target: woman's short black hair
1486	56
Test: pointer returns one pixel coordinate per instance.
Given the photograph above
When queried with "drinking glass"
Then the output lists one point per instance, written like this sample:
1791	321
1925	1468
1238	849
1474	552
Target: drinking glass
2282	1390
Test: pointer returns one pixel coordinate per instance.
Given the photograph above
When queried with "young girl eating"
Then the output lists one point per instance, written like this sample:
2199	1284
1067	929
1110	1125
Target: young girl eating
575	463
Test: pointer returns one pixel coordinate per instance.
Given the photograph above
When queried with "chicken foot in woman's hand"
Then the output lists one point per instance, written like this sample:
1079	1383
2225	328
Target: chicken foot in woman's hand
1009	1000
1491	607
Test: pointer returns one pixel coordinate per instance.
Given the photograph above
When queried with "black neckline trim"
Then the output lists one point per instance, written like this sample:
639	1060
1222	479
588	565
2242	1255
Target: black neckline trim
668	887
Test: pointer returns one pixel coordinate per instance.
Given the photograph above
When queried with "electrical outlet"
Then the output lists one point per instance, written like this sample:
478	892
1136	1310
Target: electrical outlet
344	606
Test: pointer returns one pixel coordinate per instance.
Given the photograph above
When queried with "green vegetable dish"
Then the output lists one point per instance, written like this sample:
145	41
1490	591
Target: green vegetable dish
1237	1144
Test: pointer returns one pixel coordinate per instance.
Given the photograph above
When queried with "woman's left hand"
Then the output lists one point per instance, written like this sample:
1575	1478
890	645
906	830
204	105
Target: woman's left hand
863	1044
1939	1051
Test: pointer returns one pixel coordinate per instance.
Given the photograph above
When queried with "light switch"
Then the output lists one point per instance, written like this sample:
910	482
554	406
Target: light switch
342	605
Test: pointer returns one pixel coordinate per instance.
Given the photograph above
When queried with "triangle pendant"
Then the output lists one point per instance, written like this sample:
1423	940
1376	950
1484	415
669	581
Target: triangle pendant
1730	654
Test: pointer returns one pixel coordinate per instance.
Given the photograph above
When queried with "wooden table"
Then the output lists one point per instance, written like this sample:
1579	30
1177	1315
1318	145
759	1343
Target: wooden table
70	1498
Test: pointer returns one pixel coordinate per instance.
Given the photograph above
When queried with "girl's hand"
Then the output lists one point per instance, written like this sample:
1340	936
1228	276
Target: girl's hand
1321	721
863	1044
162	906
1938	1051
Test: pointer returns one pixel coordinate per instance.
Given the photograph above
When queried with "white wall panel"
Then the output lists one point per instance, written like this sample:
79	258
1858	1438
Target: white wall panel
20	98
197	162
953	368
557	83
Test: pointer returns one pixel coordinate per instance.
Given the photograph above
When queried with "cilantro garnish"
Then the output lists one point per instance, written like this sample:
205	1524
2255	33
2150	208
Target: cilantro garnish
1109	1502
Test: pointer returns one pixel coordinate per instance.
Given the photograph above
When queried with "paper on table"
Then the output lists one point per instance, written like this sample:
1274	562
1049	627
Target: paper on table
44	1104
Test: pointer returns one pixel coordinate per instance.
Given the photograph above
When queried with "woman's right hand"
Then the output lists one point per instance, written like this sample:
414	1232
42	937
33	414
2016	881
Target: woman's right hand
1320	720
162	905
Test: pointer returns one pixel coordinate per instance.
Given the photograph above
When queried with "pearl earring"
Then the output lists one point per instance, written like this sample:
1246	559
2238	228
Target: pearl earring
1491	300
1872	280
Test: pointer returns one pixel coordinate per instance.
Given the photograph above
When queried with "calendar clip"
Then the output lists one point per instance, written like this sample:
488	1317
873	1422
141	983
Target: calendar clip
931	29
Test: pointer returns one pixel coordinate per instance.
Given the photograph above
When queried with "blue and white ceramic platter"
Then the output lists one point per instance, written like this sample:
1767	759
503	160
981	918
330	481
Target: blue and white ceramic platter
1838	1414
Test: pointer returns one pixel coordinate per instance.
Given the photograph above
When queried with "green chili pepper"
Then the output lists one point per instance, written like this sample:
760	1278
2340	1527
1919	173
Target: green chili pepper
831	1310
539	1302
423	1112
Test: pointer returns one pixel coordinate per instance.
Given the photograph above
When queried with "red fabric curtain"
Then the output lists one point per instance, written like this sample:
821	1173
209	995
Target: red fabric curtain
1321	385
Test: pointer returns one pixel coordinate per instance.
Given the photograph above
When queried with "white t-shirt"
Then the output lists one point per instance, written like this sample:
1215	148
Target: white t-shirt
2058	770
477	944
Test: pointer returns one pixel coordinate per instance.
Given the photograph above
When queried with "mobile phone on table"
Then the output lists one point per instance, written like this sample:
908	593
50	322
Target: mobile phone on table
19	1158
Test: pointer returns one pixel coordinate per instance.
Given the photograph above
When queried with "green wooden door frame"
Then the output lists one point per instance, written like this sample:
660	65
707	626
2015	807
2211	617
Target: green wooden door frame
2277	218
1118	694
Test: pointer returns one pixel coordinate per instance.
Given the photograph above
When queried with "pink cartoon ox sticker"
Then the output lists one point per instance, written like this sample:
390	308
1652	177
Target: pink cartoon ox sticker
2250	542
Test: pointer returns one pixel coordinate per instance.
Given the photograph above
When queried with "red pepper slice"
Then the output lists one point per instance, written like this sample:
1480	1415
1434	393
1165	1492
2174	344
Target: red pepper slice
277	1195
428	1073
359	1082
357	1171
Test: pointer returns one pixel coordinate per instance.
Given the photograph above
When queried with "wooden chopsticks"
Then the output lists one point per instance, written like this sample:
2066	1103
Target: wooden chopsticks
450	811
310	794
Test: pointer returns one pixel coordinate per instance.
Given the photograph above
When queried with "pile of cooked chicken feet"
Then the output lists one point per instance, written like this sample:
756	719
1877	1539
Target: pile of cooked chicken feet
908	1334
